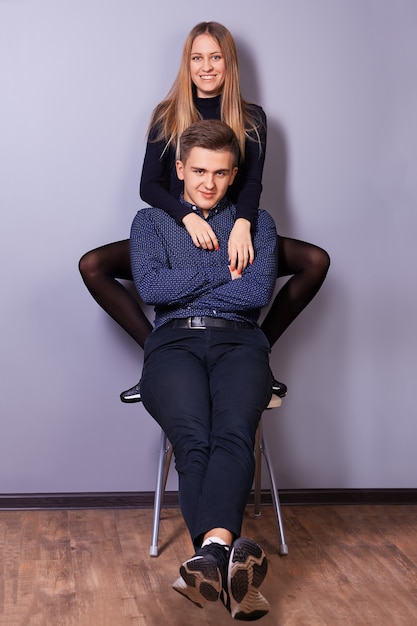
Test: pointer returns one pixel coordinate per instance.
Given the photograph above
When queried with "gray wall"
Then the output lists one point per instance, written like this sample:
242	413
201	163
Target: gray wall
337	79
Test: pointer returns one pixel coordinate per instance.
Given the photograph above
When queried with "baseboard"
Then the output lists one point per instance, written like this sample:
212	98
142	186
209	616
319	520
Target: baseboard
144	500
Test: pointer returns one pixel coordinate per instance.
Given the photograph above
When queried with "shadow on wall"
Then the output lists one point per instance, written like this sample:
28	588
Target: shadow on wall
296	436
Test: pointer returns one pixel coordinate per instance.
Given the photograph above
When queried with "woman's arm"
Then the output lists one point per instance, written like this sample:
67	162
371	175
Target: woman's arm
248	189
249	178
159	184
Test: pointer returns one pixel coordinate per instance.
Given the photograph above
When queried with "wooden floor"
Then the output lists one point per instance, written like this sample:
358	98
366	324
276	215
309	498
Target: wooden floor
346	565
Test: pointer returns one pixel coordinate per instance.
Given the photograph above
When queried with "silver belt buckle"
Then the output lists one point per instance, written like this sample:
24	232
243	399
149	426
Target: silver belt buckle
196	326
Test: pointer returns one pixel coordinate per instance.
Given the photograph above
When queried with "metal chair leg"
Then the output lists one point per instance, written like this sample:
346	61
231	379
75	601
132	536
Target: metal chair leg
258	472
165	455
283	548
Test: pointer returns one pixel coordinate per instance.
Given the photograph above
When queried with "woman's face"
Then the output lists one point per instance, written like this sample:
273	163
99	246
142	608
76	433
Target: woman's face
207	66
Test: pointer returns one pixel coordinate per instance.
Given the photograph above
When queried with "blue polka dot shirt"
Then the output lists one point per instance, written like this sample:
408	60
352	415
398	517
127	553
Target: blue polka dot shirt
181	280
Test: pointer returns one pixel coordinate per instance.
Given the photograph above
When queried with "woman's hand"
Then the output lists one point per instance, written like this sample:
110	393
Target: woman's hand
240	247
200	231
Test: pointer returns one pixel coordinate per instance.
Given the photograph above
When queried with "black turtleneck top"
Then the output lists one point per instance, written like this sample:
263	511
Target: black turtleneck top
161	188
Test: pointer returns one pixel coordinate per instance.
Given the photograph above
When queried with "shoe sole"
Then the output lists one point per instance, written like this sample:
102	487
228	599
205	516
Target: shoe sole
200	581
191	593
247	570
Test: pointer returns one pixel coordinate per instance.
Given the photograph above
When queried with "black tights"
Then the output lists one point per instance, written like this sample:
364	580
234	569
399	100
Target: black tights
305	263
100	269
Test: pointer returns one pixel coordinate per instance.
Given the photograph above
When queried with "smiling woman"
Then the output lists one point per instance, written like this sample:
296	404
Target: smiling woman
207	66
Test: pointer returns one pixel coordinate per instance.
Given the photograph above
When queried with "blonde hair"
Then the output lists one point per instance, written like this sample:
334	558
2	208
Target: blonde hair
177	111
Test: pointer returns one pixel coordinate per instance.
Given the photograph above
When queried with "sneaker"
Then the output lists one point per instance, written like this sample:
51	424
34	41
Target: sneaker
246	572
202	576
131	395
279	389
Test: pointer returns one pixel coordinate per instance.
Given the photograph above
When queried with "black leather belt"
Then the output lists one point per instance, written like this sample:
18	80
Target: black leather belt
200	322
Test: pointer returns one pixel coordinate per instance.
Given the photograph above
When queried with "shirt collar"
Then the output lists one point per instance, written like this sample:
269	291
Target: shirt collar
220	206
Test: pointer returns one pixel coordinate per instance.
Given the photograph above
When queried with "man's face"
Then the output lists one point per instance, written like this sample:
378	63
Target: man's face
206	174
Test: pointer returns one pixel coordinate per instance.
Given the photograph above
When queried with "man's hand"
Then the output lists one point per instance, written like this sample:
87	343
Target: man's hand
240	247
200	231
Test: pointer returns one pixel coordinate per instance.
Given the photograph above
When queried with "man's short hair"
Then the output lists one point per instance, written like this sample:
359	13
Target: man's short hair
211	135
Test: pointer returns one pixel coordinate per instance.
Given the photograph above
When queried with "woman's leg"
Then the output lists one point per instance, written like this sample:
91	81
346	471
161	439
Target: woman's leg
100	269
308	265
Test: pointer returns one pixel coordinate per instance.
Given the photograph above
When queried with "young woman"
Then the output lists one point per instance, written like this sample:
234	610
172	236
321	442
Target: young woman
207	86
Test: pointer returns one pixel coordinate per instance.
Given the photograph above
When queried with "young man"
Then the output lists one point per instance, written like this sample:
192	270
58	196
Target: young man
206	377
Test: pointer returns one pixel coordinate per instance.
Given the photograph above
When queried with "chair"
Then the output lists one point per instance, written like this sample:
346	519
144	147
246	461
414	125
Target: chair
165	455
